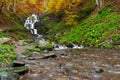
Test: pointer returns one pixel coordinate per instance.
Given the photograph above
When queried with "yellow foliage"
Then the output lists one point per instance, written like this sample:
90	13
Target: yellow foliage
71	18
32	1
54	6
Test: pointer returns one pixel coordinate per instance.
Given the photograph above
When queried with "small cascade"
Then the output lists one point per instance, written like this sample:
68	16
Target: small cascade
62	47
30	25
77	47
30	22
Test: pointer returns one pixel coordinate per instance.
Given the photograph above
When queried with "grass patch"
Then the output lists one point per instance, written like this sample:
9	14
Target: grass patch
2	34
7	53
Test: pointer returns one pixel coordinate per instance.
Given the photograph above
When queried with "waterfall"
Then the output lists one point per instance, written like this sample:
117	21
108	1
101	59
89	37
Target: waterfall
30	22
30	25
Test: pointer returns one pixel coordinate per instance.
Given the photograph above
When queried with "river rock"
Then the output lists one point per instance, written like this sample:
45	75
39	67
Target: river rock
49	55
44	45
21	56
59	77
20	70
98	77
98	70
21	42
45	51
34	58
69	64
18	64
4	40
8	76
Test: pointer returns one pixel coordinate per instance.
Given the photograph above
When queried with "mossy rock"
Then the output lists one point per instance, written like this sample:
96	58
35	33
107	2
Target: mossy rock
44	45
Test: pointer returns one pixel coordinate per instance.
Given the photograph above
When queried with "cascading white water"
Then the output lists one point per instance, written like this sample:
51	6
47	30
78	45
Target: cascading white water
30	23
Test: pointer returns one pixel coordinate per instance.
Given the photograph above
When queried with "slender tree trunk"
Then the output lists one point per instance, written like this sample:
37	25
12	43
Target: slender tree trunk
14	6
100	4
8	7
69	4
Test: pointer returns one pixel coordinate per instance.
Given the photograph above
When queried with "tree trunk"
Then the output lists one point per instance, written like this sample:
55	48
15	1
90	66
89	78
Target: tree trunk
14	6
97	3
8	7
100	4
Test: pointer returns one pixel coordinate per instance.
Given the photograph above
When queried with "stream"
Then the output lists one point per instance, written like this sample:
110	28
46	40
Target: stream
75	63
63	63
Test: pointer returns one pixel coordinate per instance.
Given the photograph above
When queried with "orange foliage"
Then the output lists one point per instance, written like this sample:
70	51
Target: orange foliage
30	6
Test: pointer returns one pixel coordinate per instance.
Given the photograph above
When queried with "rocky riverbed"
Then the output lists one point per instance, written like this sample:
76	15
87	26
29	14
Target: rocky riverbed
72	64
64	64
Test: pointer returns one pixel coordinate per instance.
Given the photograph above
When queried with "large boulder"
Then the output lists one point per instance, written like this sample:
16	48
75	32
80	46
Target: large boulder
4	40
44	45
8	76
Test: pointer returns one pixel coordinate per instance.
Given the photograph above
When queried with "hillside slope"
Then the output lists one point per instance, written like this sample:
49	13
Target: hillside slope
94	30
10	25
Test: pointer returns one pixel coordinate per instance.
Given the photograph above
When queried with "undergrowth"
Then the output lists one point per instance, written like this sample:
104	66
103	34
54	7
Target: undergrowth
7	53
93	30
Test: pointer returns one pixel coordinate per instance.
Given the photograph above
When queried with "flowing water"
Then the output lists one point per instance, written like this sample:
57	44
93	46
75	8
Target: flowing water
30	23
76	63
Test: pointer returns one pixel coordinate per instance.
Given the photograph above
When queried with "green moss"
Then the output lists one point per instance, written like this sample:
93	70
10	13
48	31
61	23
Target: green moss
7	53
45	45
2	34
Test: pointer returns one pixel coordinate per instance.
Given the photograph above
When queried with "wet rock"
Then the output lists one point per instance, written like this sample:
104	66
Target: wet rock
35	76
117	72
31	62
45	51
34	58
20	70
4	40
8	76
75	77
33	49
59	77
74	71
49	55
69	64
21	42
98	70
18	64
44	45
98	77
21	56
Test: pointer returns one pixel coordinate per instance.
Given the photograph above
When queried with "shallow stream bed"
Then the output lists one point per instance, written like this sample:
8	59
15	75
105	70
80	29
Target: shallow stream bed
84	64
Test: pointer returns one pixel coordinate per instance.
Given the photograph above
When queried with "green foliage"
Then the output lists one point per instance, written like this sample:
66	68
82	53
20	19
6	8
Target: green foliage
55	29
93	30
7	53
106	46
44	45
116	38
3	34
